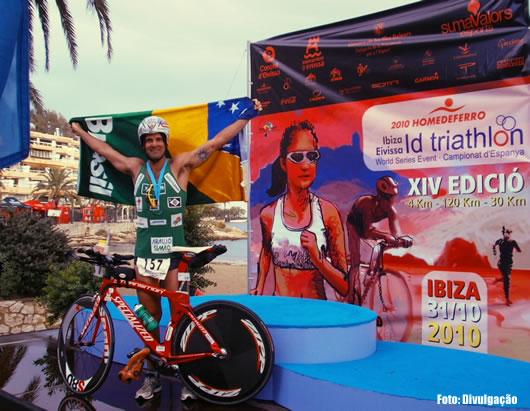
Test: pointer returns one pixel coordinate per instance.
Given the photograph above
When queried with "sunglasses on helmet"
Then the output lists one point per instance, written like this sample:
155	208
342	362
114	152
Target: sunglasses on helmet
299	156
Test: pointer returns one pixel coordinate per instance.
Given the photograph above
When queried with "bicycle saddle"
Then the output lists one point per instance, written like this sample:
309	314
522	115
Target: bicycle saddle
197	257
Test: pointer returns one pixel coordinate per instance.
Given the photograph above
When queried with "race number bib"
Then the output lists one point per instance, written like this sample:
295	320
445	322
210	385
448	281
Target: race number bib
153	267
161	245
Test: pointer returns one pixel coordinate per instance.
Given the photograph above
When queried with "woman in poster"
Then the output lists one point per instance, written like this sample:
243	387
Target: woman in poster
302	235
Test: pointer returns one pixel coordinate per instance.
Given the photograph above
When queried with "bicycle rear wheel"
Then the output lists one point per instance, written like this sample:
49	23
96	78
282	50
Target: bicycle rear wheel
390	297
84	364
248	364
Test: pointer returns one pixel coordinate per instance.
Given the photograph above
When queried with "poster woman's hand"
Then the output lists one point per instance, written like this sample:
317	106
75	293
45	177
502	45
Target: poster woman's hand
308	240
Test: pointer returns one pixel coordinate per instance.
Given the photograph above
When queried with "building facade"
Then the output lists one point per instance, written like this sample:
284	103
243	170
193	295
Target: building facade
46	151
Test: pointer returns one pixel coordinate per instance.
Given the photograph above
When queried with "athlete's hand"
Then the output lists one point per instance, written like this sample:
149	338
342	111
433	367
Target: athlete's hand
76	128
257	104
390	240
405	242
309	242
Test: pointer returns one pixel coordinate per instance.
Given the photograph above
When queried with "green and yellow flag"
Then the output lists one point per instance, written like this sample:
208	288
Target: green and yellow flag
217	180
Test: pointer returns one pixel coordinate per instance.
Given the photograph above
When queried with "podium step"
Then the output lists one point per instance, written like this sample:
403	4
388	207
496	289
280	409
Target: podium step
327	358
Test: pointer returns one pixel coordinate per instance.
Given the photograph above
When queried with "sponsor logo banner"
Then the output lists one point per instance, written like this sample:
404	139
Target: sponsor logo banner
462	129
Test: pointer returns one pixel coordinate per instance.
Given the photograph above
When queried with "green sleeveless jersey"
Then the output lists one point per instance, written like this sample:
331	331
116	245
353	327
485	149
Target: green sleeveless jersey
160	228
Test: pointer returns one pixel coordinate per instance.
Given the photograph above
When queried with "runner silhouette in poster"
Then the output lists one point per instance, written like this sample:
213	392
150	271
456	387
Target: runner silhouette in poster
506	246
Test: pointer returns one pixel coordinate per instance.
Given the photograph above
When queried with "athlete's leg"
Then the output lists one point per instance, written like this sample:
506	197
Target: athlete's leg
150	301
506	272
171	283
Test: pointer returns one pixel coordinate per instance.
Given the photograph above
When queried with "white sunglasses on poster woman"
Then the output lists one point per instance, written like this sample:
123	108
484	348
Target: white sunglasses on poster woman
297	157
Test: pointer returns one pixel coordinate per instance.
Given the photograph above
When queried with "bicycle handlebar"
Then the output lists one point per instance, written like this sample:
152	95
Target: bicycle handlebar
97	258
201	257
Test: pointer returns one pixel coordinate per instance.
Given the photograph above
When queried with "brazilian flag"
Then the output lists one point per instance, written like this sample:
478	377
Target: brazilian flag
217	180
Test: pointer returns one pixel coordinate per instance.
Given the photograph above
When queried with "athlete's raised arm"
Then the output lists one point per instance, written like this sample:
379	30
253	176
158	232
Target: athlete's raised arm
127	165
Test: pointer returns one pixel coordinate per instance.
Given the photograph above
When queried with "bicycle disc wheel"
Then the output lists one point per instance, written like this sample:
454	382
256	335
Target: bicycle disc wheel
390	298
250	353
84	364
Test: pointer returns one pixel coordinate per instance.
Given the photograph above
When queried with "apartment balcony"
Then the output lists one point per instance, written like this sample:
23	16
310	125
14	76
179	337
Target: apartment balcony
43	162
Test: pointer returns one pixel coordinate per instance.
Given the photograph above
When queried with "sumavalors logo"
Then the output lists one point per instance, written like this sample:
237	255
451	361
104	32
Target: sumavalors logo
99	184
477	20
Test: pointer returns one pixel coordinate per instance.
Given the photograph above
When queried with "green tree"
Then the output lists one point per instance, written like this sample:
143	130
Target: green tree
67	285
235	213
197	234
40	7
31	248
46	121
57	186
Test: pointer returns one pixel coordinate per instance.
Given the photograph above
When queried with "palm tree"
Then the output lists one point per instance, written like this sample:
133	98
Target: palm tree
100	7
58	185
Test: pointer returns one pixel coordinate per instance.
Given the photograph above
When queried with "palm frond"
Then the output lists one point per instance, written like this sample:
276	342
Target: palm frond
35	98
31	391
31	12
105	27
69	30
42	8
58	185
10	357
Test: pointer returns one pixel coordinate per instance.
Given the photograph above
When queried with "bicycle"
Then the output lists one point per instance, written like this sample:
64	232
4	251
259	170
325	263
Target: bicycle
386	292
222	351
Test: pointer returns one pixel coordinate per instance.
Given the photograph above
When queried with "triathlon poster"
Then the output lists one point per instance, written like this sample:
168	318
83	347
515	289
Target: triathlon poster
391	169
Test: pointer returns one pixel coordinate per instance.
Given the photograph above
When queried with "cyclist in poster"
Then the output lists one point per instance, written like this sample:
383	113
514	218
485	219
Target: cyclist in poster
367	210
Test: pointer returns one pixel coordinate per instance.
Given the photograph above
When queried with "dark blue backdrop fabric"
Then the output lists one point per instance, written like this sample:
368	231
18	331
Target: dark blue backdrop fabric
14	81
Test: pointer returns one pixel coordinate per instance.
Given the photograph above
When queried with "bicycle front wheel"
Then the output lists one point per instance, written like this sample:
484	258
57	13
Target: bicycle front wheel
84	363
390	298
245	369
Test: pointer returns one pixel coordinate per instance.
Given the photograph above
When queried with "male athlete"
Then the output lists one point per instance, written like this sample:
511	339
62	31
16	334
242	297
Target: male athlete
365	212
506	246
160	191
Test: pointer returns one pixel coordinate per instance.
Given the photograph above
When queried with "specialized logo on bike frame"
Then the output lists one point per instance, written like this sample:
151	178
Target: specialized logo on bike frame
174	202
161	245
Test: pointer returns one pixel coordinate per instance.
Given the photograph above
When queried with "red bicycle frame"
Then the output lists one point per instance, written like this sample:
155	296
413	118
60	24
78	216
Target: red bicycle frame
180	307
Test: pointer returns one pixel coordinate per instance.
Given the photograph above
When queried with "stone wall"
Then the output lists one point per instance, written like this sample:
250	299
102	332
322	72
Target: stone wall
19	316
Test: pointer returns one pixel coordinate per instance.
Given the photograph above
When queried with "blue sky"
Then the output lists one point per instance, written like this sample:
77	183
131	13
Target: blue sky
170	53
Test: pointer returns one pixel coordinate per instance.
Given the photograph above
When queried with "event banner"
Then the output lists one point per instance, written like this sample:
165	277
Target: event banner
14	82
217	180
391	169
